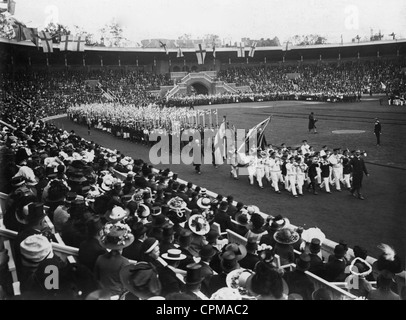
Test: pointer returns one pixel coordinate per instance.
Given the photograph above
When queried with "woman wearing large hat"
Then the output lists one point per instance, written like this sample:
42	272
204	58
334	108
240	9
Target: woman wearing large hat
114	237
285	238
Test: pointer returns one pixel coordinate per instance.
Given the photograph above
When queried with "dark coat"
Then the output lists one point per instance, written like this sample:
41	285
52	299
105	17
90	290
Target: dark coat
358	170
133	251
298	282
89	251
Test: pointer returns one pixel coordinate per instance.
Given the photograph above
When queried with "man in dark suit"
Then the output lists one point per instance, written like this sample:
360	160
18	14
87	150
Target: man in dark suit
222	217
298	281
206	253
134	251
377	131
251	259
316	261
358	169
232	209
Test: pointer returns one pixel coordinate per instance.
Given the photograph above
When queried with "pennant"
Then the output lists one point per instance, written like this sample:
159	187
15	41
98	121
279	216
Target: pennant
180	53
214	51
163	45
219	143
252	50
200	53
66	43
241	51
46	41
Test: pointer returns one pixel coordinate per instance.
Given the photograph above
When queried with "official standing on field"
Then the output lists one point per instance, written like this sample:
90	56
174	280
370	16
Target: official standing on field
377	131
358	170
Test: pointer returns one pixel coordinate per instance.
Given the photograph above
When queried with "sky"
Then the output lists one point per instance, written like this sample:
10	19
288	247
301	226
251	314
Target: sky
229	19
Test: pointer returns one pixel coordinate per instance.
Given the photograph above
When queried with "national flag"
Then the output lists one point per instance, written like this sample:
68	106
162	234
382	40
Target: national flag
32	35
11	6
163	45
200	53
258	131
214	50
46	41
79	43
180	53
66	43
241	51
19	31
252	50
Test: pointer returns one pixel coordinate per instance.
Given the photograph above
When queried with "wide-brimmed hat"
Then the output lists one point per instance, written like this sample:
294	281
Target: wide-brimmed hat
204	203
238	249
173	254
237	279
35	249
33	212
143	211
17	181
280	222
177	203
141	279
116	214
286	236
198	224
116	236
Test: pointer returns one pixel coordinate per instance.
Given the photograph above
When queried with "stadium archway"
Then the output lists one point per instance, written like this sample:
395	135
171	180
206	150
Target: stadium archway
198	88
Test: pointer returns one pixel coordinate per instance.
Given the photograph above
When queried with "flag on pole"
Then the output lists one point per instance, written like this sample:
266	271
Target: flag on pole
252	50
32	35
180	53
163	45
241	51
259	131
46	41
66	43
287	47
214	50
200	53
19	31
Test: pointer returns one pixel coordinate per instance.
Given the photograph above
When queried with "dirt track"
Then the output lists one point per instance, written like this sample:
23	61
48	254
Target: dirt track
379	218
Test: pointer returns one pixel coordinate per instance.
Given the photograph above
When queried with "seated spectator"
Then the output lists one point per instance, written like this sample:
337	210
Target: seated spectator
383	287
267	284
90	249
299	282
251	259
335	267
285	238
114	237
257	227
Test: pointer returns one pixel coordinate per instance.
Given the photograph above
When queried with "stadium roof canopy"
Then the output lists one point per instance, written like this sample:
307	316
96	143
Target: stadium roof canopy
21	52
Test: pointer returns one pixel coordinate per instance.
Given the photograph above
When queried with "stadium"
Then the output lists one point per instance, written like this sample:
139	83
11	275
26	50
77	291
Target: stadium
295	193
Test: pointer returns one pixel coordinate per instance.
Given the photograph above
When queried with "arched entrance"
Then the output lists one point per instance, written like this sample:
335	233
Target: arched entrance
198	88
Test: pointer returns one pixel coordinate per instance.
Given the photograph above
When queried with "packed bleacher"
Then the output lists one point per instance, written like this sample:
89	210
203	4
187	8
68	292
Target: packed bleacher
142	233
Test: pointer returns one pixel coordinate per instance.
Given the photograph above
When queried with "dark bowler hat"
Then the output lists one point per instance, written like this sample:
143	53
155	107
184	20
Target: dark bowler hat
303	262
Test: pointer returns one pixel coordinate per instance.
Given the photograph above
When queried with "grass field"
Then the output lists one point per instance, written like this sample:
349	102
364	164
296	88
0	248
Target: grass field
379	218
